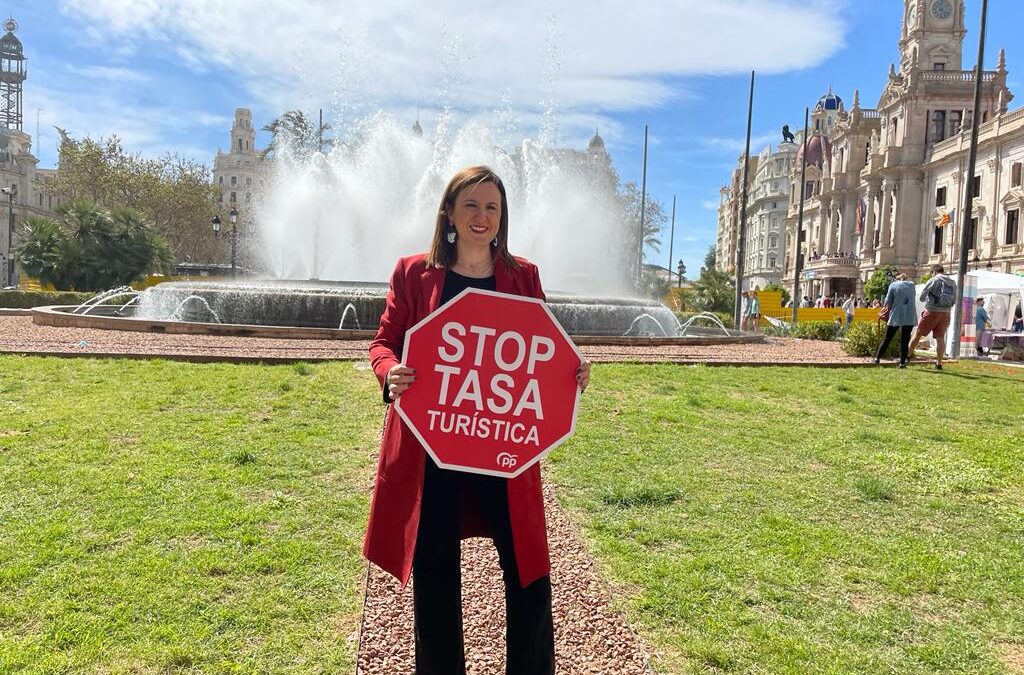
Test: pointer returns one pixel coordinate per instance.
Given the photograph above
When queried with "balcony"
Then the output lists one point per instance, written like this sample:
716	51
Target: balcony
844	265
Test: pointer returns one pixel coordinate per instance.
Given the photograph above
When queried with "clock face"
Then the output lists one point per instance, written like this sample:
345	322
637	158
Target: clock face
942	9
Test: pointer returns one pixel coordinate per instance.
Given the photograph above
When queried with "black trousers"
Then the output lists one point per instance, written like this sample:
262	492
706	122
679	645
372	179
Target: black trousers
890	332
437	580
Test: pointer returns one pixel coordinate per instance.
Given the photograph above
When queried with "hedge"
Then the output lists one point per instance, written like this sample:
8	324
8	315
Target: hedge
26	299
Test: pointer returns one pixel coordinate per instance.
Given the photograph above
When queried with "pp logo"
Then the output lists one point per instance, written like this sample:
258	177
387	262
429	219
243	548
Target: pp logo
507	461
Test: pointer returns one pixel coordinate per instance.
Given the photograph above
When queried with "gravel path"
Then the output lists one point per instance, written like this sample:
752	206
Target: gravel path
590	637
19	334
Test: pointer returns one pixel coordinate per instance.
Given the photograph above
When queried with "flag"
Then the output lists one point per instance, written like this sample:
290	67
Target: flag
945	219
860	215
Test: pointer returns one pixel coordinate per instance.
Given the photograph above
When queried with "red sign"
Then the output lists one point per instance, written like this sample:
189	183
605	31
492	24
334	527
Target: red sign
495	386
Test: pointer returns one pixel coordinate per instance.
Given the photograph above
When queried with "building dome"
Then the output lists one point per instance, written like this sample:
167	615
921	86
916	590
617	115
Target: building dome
830	101
596	143
818	149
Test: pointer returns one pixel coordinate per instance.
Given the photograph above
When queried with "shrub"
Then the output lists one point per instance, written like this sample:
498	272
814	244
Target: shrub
816	330
26	299
864	337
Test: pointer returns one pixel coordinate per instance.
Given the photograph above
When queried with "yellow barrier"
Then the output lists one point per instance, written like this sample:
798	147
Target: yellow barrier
771	305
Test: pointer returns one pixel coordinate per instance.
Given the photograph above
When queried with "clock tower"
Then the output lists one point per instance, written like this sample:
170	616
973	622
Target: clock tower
933	35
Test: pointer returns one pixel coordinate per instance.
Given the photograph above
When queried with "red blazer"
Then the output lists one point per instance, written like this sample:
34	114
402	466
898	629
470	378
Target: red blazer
395	508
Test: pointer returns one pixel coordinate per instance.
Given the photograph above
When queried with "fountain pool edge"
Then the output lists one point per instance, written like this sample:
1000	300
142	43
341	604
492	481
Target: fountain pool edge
61	316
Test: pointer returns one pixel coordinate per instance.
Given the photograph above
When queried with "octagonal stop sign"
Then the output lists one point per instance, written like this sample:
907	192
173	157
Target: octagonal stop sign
495	385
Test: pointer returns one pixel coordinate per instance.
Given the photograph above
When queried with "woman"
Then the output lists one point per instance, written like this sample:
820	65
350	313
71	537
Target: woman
902	317
420	512
981	322
754	312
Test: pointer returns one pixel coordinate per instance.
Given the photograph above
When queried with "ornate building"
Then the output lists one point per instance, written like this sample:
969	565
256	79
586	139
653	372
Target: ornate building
238	173
885	186
19	177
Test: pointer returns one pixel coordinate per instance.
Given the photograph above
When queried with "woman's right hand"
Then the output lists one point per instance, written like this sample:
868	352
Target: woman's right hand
399	378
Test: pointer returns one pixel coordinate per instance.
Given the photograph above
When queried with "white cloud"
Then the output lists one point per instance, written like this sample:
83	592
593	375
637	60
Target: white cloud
597	54
709	204
123	75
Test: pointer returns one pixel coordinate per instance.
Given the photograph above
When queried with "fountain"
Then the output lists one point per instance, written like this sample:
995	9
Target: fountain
351	213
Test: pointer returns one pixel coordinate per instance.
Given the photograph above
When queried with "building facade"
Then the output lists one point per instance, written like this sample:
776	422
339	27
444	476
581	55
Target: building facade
886	185
239	172
20	179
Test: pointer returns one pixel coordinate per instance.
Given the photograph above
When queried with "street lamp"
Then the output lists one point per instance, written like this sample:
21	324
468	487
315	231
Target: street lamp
680	271
988	266
11	193
976	261
233	217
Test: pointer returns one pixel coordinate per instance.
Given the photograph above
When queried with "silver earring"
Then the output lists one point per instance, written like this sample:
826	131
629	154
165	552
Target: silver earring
451	235
494	242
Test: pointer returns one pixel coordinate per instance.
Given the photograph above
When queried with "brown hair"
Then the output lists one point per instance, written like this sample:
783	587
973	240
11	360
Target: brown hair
441	253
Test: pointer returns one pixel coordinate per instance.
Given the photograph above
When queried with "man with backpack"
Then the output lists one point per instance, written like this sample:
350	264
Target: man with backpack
938	296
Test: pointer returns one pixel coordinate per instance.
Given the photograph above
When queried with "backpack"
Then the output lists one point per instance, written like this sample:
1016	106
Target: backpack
946	295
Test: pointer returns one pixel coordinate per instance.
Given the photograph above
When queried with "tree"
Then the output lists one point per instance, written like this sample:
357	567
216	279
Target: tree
779	287
879	282
174	195
710	258
298	133
654	219
87	248
714	291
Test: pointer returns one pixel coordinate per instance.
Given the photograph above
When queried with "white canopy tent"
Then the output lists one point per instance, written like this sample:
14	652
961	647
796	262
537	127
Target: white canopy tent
1003	293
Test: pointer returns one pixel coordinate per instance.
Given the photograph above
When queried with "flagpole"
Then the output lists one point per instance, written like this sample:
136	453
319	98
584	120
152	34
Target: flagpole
798	253
965	213
671	240
742	234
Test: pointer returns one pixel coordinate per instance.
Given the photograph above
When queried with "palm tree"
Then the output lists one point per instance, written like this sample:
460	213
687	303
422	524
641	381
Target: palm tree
297	132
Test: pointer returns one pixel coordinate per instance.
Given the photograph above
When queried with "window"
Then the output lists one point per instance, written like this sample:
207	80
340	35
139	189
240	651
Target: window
955	120
1012	226
808	189
239	144
248	197
937	241
976	186
937	130
817	124
940	197
234	181
773	241
234	197
1015	174
972	233
771	261
248	182
221	180
939	66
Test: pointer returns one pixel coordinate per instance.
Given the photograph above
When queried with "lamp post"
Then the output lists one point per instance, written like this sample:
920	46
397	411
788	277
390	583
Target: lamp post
11	193
976	261
233	218
988	266
680	271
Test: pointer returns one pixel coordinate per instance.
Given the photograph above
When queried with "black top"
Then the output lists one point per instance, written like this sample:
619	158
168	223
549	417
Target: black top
455	283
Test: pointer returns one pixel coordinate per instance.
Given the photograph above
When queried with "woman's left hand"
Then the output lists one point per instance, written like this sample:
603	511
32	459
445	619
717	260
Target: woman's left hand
583	375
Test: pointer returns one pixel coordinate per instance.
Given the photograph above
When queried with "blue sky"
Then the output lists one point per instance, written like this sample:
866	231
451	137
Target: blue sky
167	76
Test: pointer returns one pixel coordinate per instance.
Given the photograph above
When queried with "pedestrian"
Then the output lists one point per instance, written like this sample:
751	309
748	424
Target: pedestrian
754	312
902	316
744	306
981	322
806	302
420	512
938	296
848	308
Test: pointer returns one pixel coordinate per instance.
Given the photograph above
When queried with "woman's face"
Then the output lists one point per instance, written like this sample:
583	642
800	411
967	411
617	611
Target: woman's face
476	215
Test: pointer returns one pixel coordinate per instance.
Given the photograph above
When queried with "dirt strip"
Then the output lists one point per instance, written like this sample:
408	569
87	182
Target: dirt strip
590	636
19	335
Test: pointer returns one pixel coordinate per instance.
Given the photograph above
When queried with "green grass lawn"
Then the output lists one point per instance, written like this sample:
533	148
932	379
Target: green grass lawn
168	517
796	520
